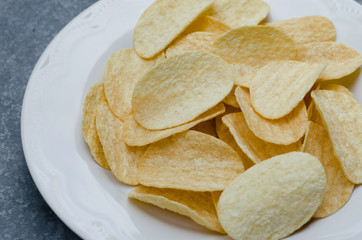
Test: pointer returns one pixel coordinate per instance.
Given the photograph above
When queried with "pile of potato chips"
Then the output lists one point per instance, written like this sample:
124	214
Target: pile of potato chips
230	121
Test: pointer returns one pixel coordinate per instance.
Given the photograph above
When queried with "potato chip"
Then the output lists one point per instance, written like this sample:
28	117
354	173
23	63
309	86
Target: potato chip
313	114
342	116
283	131
279	86
308	98
190	161
238	13
124	69
243	74
230	98
273	198
255	148
207	127
341	60
255	46
225	135
179	89
121	158
194	41
307	29
162	22
215	197
94	97
206	23
196	205
339	188
136	135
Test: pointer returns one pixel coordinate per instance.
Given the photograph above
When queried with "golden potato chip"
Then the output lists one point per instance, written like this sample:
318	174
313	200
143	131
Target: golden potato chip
339	188
207	127
196	205
283	131
94	97
255	148
307	29
162	22
273	198
313	114
121	158
308	98
342	116
255	46
136	135
243	74
341	60
279	86
238	13
215	197
225	135
179	89
337	88
194	41
230	98
123	70
206	23
190	161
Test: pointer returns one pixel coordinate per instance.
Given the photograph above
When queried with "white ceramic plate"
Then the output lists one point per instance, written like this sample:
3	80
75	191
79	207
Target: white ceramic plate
88	198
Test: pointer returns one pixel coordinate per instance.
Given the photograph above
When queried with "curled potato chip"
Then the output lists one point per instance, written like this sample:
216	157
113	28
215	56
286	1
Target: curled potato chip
94	97
179	89
342	116
255	148
337	88
339	188
230	98
193	41
121	158
123	70
196	205
136	135
273	198
341	60
255	46
206	23
279	86
190	161
238	13
162	22
283	131
307	29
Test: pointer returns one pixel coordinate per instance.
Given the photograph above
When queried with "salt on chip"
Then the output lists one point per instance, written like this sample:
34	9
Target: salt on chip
123	70
136	135
307	29
279	86
255	148
341	60
94	97
179	89
255	46
339	188
274	198
194	41
196	205
238	13
206	23
162	22
121	158
283	131
190	161
342	116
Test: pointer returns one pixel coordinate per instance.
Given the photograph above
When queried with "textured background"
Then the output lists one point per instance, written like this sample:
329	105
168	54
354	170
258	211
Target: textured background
26	28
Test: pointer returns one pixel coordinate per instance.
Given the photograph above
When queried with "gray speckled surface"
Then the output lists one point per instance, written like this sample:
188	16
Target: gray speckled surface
26	28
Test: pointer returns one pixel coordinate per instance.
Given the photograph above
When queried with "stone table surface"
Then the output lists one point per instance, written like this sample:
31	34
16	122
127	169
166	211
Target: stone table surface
26	28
